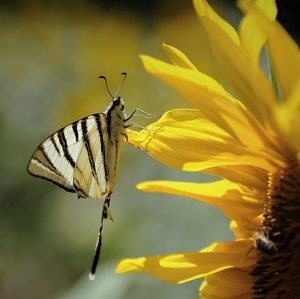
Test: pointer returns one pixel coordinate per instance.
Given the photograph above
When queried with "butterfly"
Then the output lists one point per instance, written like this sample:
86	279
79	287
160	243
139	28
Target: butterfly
83	157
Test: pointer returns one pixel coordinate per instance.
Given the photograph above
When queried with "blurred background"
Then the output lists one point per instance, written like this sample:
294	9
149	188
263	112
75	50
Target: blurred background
51	54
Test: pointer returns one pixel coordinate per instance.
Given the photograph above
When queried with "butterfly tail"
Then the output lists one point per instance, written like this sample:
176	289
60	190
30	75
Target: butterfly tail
105	214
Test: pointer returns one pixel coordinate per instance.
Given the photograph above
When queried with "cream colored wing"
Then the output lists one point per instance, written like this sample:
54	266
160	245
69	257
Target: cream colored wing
91	171
56	157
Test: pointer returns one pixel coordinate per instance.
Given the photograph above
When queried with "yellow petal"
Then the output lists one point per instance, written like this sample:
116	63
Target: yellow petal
198	88
252	38
223	285
204	9
287	115
283	50
184	139
252	178
247	80
230	198
244	228
268	7
183	267
178	58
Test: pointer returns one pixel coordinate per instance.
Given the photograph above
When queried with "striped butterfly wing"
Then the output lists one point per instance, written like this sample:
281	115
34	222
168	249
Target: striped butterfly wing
91	174
68	158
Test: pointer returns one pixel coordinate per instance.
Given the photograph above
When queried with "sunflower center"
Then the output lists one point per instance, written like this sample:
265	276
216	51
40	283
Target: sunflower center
278	273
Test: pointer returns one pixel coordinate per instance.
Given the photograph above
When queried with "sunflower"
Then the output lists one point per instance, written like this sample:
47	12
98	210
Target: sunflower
250	140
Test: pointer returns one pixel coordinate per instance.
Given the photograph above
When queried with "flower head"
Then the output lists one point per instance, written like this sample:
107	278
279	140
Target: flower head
250	140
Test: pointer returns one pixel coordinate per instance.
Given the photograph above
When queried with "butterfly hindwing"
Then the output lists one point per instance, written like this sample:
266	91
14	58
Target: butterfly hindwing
91	169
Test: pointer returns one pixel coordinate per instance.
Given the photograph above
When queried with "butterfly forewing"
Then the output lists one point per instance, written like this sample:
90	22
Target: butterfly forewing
55	158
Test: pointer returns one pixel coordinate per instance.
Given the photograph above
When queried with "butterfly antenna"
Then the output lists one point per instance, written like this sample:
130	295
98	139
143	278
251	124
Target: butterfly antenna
106	84
105	214
125	75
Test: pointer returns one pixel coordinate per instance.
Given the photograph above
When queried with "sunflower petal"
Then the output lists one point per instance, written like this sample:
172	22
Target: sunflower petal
230	198
287	116
268	7
184	267
247	79
184	139
178	58
218	285
287	66
252	38
252	178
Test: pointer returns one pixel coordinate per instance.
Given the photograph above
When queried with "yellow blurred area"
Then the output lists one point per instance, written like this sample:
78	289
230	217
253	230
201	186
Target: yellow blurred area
51	57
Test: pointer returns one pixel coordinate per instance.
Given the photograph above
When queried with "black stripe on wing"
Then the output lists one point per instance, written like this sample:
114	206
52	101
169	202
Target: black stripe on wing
54	144
64	144
75	130
88	148
103	152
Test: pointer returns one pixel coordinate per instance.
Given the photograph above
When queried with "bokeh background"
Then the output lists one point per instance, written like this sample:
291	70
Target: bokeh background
51	54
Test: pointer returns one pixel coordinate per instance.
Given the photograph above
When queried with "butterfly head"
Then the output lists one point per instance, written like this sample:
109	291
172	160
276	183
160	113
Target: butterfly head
118	102
116	105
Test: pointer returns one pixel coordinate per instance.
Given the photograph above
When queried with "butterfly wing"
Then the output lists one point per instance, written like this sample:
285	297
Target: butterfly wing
91	171
61	156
